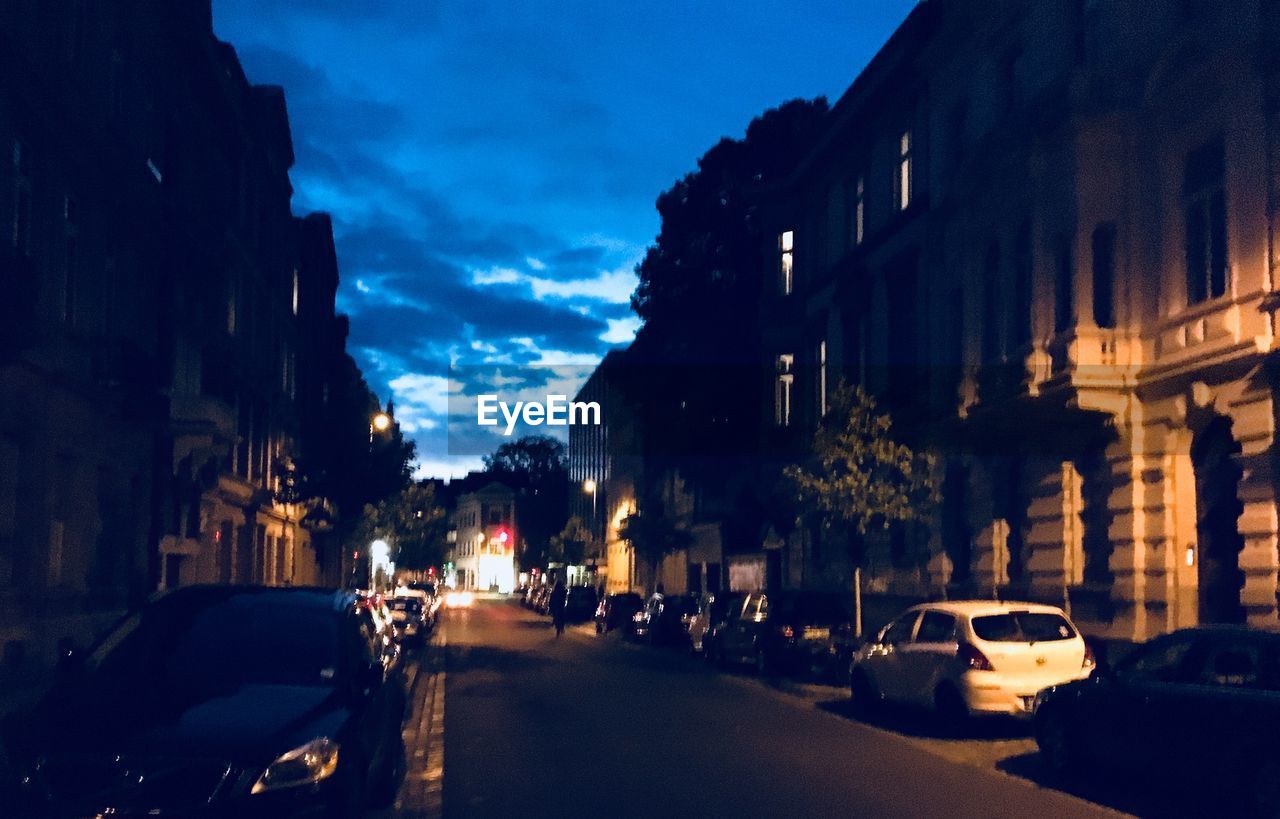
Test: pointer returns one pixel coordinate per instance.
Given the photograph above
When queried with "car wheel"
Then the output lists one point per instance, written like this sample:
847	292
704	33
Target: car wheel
953	714
1054	741
386	782
862	695
764	666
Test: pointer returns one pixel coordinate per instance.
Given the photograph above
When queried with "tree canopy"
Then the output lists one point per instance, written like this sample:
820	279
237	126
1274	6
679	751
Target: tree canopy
536	467
412	521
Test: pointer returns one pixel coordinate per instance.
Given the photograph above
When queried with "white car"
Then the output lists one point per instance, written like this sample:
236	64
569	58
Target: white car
966	658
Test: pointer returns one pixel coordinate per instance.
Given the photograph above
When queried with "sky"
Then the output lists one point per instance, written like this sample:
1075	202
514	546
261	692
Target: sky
491	167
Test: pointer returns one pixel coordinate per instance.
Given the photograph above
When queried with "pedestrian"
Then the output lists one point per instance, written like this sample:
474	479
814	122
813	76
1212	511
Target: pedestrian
555	603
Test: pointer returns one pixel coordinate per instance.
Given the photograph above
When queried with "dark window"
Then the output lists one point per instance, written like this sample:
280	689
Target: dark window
1162	660
1022	627
900	630
936	627
1064	308
1205	208
1104	275
1020	321
991	306
957	131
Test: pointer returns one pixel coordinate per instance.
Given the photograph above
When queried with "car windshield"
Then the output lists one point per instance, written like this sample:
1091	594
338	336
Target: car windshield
224	643
1023	627
819	609
410	604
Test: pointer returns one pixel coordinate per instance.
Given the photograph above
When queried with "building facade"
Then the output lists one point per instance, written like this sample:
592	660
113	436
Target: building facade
1043	234
484	540
159	303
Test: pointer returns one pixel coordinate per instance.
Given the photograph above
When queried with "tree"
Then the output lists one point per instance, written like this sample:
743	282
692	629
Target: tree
860	478
412	521
570	545
536	467
698	293
652	536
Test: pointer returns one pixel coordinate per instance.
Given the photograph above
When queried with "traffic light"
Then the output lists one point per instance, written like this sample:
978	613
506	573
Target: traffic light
503	536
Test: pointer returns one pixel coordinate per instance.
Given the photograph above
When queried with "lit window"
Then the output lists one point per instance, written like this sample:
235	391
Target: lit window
295	291
782	390
822	377
904	171
859	210
786	261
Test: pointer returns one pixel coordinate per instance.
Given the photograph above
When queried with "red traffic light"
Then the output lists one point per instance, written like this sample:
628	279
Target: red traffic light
431	570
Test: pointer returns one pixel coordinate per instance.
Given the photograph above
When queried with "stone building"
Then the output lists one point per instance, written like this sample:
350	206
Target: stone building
1043	233
484	539
159	302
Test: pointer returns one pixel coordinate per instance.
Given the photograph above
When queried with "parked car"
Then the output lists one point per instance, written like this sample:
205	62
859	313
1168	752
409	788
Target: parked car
784	631
542	600
616	611
663	621
580	604
970	657
1196	706
217	701
714	610
410	618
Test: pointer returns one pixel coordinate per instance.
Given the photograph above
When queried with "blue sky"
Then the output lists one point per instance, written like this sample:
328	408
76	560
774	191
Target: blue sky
491	167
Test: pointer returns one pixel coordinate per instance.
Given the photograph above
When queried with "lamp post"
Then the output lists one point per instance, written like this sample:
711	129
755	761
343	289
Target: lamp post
380	422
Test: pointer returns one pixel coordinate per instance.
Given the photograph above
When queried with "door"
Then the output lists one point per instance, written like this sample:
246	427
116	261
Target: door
884	660
930	652
740	634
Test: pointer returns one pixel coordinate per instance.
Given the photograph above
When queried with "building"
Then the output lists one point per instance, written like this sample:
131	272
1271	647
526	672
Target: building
484	539
1044	234
167	326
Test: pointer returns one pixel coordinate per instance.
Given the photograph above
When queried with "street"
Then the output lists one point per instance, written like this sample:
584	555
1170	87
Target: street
540	726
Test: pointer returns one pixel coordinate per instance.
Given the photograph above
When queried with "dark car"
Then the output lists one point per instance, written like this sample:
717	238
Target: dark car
714	610
616	611
664	619
784	631
217	701
1194	706
580	604
410	618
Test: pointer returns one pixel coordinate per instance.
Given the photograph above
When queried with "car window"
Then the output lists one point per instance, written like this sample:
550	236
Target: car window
763	611
936	627
899	631
1023	627
1236	664
1162	660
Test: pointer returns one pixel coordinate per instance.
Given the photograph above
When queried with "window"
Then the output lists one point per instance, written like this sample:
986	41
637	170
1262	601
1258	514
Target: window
1162	660
991	306
21	199
71	260
1205	208
1104	275
957	130
900	630
1063	287
936	627
786	261
859	210
903	182
295	291
782	390
822	377
1022	627
1020	323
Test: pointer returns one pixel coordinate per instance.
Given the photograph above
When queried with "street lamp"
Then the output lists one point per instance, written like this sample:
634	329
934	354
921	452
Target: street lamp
380	422
590	486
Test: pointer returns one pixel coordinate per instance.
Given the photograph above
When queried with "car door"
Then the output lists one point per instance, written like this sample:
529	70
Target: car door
740	633
1118	713
883	660
925	658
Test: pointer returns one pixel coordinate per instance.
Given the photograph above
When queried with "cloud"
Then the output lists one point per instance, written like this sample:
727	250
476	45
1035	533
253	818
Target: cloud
621	331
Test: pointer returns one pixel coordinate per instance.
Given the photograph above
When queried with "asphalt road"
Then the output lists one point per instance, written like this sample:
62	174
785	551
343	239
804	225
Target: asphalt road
535	725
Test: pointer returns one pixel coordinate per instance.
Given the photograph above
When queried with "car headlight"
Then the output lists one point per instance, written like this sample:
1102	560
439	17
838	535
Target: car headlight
305	765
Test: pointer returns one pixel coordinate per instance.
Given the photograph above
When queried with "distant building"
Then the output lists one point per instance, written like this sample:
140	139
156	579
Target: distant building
1044	234
484	539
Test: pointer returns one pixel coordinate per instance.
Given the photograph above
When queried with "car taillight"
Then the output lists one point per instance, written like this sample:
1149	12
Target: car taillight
1089	661
787	631
973	658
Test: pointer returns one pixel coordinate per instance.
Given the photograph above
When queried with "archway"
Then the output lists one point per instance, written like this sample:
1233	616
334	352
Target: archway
1218	511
